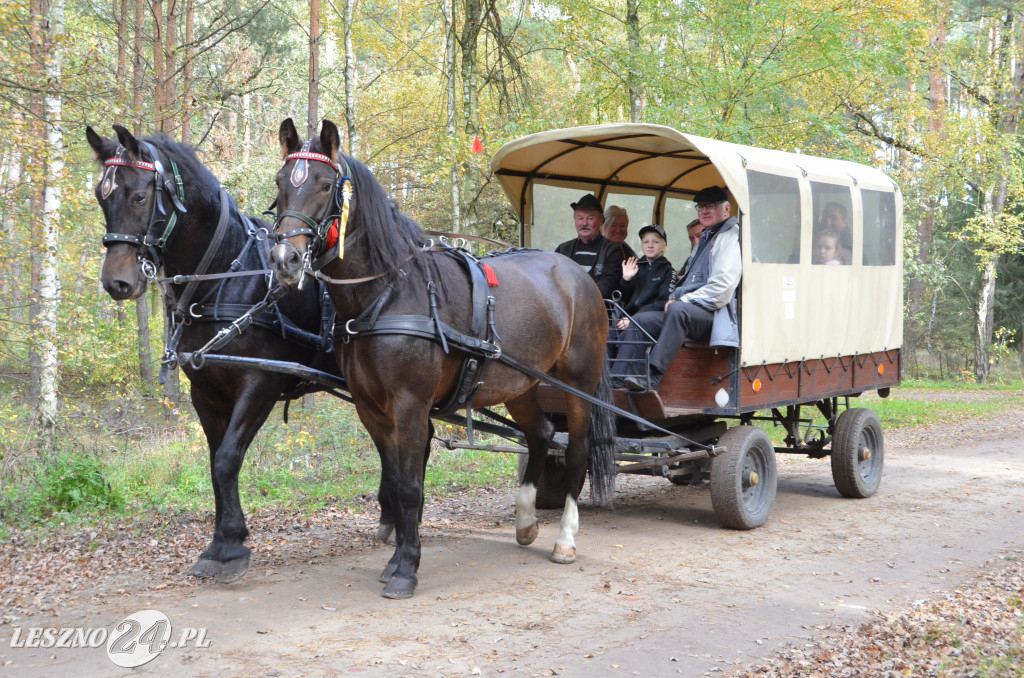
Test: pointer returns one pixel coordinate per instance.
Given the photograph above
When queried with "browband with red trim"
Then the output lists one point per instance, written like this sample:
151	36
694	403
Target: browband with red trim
308	155
140	164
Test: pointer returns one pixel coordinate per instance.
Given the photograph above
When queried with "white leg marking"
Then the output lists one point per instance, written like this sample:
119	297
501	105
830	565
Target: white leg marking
570	523
526	506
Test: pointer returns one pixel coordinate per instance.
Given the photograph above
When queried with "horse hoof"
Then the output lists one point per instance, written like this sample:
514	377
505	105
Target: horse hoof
526	536
399	588
205	568
563	555
387	573
232	570
386	533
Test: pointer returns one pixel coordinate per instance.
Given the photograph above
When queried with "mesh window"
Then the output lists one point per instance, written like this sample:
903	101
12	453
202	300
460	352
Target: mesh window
552	217
831	206
879	228
774	221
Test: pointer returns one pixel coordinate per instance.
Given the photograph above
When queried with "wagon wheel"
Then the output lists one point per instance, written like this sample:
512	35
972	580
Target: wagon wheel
858	452
552	484
743	479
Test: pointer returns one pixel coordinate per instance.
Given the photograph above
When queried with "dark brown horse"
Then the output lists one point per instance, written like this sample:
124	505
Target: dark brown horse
152	224
548	314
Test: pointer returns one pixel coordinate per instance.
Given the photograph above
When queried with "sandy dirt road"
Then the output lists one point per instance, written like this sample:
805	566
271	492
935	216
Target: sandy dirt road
658	587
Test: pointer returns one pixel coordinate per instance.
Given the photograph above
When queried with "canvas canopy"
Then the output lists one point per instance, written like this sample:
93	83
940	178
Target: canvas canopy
794	306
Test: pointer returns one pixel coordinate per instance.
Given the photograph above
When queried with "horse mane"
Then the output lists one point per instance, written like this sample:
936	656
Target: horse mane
197	178
392	242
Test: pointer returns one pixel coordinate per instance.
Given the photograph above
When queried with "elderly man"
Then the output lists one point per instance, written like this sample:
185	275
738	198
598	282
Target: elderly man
693	232
599	256
700	307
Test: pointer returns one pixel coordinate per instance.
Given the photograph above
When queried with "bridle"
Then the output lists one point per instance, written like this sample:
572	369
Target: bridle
151	245
327	234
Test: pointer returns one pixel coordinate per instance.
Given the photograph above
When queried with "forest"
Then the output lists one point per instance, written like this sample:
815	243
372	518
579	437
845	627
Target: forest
931	92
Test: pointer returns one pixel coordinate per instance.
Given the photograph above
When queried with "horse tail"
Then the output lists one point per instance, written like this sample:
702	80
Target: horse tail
601	444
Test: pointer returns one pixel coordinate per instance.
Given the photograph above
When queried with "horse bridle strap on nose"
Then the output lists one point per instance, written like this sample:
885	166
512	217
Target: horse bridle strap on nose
175	191
329	232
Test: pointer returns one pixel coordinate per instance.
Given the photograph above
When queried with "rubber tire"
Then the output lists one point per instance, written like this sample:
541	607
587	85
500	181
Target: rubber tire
552	484
748	448
856	429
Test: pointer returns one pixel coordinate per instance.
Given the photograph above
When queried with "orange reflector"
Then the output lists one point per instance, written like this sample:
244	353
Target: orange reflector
756	385
881	369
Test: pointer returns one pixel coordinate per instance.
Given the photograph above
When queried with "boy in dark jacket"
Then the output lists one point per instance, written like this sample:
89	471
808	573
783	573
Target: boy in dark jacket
647	283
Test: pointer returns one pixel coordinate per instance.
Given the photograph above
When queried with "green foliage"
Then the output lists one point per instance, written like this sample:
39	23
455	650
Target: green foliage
72	482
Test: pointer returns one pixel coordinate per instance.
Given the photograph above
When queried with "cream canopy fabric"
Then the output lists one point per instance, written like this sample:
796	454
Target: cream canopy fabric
789	311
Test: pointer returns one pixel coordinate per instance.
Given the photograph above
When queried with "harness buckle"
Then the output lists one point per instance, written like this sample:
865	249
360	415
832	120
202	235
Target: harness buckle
348	328
192	312
148	269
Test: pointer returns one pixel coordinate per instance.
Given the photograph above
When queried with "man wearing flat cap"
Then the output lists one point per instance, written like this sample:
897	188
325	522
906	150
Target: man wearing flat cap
599	256
702	306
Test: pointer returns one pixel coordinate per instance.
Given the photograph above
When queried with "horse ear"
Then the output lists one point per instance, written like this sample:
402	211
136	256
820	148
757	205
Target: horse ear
289	137
128	141
100	146
330	140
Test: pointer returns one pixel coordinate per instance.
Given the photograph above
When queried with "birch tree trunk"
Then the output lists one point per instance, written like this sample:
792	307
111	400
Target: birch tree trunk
471	25
450	87
49	281
634	79
983	315
246	127
187	72
121	17
10	275
350	79
138	81
313	116
38	10
159	100
1008	61
138	65
170	65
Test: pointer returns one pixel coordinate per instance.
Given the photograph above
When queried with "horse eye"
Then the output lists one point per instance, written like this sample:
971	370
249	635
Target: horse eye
138	198
324	187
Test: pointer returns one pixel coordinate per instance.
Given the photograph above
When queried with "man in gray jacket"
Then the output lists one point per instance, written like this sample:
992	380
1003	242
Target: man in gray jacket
699	303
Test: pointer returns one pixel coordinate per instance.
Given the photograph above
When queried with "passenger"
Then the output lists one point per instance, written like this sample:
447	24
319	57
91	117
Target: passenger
827	251
835	217
616	229
649	281
693	231
598	256
701	308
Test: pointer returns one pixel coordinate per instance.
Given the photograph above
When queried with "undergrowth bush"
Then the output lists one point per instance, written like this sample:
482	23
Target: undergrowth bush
69	483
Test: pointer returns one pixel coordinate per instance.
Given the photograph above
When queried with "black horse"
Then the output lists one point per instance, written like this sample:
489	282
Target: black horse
163	208
409	315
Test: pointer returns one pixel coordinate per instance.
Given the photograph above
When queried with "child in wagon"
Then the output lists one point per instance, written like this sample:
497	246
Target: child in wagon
648	282
827	248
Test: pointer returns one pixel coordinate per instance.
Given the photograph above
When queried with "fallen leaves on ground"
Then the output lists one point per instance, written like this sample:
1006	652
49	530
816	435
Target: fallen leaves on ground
975	630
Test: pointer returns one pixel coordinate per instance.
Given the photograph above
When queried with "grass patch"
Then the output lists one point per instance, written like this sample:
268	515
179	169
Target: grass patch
123	457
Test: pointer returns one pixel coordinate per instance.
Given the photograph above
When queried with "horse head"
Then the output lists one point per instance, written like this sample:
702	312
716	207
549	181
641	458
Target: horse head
309	199
139	217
